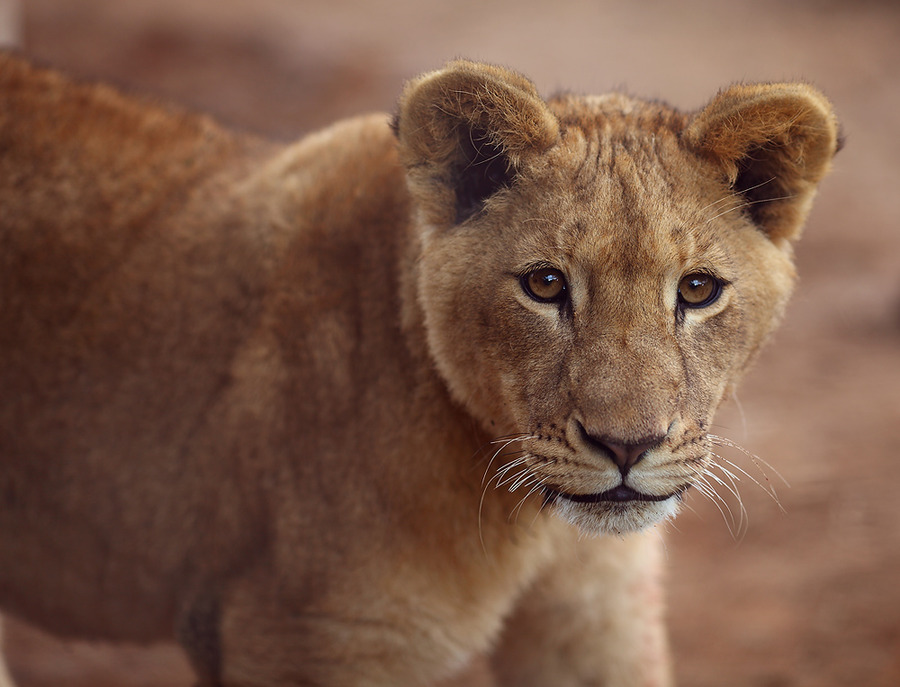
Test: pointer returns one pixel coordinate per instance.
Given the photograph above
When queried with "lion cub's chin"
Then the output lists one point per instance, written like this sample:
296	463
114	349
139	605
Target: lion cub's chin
610	517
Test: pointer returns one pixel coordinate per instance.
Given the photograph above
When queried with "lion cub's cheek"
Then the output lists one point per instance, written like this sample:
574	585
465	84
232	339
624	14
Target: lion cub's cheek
457	296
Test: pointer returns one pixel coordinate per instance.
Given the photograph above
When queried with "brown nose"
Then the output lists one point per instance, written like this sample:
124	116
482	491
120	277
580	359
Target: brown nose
625	454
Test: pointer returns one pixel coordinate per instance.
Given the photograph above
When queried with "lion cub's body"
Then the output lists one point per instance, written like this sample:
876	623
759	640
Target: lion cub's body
247	393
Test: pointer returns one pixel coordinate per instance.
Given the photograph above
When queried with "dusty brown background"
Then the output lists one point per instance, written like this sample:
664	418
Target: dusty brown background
806	597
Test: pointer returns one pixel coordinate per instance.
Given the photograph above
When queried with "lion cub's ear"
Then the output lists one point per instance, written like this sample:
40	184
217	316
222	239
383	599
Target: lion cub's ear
464	131
774	143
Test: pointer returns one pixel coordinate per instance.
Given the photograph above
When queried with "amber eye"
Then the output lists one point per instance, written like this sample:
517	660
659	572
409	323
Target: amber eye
545	284
698	290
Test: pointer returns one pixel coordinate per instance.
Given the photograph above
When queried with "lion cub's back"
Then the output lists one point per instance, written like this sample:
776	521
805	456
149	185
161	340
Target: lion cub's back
113	213
127	282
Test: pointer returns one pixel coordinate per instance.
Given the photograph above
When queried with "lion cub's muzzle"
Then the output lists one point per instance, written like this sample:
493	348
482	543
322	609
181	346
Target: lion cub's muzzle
622	454
608	484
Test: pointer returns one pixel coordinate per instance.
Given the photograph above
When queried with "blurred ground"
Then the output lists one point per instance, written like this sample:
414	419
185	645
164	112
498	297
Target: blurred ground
806	597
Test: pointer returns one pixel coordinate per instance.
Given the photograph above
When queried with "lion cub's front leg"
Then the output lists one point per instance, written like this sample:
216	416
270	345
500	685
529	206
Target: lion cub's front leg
594	618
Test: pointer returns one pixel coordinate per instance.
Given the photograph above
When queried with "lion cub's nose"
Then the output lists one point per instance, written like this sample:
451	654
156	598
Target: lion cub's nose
624	454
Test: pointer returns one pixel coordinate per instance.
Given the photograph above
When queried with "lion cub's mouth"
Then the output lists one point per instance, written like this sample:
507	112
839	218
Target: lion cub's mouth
619	494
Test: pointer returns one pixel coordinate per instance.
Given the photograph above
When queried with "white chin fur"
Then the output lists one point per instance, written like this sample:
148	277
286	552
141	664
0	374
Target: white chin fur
616	518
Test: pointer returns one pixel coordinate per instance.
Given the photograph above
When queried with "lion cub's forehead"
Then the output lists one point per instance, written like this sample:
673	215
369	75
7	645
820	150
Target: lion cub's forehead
618	115
631	189
624	150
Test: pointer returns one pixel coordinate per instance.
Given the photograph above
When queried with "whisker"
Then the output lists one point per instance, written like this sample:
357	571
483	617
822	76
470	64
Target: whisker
733	480
739	206
760	184
733	477
733	490
747	204
544	501
511	465
769	488
510	438
511	478
710	492
505	441
723	199
521	480
720	462
496	477
541	219
736	196
707	490
740	202
743	416
539	483
723	441
536	484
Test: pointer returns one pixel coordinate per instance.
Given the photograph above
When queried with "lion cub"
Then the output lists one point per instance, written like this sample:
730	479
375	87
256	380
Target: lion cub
340	413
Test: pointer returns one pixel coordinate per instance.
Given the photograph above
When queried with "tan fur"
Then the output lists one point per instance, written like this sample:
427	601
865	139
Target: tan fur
5	679
293	407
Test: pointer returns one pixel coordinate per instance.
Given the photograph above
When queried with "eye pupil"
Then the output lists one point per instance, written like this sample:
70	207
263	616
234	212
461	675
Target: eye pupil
698	290
545	284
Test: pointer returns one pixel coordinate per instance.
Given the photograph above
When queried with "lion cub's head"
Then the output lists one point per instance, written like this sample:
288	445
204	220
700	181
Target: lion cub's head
596	273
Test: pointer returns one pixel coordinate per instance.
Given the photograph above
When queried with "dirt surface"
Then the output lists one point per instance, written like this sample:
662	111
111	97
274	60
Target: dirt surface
807	593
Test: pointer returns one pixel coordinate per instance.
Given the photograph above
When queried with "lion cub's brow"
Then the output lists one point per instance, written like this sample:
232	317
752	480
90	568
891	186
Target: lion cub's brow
632	201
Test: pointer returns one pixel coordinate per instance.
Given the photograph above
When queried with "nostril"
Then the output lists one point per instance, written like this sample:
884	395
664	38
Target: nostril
625	454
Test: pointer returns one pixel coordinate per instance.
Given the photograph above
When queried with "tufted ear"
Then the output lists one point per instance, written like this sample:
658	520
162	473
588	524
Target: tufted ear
464	131
774	143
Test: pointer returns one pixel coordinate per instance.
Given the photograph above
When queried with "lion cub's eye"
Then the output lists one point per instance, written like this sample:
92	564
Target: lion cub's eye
698	290
545	284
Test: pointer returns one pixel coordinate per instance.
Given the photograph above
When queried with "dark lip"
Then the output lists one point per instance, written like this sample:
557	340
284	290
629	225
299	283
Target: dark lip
619	494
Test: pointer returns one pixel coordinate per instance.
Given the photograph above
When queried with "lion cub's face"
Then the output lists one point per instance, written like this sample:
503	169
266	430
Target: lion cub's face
596	273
